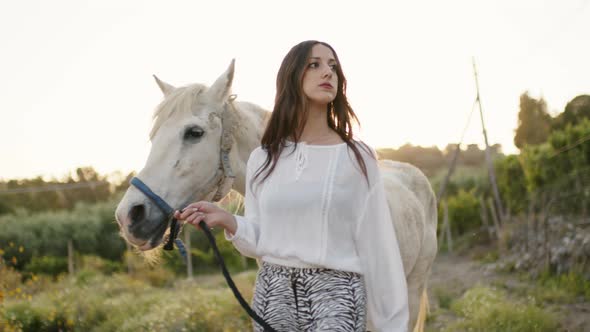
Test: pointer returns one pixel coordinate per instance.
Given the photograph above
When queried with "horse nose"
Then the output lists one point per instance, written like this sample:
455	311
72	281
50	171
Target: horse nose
137	213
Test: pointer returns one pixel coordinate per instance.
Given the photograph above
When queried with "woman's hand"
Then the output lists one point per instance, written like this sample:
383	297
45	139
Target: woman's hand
210	213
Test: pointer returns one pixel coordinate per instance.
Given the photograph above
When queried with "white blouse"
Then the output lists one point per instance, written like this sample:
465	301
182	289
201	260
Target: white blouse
317	210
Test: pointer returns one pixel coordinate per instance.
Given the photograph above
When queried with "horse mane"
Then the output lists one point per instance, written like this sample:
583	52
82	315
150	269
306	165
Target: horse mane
180	99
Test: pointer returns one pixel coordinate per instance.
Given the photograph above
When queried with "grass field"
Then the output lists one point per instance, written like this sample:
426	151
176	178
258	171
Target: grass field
95	302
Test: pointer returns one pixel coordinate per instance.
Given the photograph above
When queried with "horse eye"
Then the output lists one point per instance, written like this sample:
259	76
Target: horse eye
193	133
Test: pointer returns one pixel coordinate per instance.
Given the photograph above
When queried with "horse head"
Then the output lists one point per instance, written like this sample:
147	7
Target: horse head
192	125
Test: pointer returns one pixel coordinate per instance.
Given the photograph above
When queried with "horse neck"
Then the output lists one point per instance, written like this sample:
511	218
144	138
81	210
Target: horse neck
247	135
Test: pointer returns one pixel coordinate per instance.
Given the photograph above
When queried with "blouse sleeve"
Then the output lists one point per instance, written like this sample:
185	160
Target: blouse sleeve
381	263
248	232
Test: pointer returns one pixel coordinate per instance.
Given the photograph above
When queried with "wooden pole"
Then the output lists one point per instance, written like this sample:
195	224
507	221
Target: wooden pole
483	212
494	217
443	186
489	161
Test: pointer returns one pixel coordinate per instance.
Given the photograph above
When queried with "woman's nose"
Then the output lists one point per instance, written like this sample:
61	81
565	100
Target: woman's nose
327	73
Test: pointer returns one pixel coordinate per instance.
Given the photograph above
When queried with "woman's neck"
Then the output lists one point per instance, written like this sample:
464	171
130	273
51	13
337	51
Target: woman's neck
316	128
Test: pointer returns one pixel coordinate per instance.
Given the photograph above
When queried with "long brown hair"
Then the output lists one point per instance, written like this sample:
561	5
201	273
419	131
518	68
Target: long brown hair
291	109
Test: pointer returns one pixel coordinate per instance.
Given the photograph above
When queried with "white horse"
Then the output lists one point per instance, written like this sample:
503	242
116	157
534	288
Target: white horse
196	127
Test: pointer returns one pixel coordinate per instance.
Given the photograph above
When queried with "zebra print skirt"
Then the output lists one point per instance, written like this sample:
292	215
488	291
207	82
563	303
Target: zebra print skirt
309	299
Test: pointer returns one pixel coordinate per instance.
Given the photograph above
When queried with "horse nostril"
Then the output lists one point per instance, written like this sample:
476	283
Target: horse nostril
137	213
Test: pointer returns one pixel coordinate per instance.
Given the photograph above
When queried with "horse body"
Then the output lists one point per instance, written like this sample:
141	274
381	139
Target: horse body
184	166
412	204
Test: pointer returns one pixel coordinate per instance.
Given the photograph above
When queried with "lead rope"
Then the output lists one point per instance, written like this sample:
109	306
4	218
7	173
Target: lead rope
174	229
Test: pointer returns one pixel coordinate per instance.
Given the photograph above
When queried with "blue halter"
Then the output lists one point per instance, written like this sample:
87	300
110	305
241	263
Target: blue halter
224	186
174	228
225	172
168	211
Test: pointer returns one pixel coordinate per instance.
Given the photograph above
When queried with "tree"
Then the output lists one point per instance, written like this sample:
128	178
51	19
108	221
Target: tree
473	156
576	110
534	122
37	194
427	159
559	168
5	208
512	182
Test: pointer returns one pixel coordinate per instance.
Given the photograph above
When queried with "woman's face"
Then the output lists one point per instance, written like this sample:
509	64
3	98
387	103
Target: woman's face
320	81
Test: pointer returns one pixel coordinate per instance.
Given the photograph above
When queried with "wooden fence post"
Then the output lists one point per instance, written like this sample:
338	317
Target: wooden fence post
494	217
483	212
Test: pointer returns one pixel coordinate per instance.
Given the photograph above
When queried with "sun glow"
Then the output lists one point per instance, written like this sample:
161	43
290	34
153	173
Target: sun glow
77	87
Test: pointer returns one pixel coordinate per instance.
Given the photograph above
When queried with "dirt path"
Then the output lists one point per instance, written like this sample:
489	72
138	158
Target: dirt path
452	275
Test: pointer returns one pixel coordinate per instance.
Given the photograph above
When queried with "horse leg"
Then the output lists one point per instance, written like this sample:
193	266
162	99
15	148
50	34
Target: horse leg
422	312
417	283
415	287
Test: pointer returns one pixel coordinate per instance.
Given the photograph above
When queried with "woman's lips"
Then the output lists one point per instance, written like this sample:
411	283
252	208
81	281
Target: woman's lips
326	85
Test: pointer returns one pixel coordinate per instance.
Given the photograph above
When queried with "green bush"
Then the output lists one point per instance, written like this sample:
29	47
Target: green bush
99	264
121	303
93	232
91	228
512	183
567	287
470	179
463	212
444	298
487	257
50	265
559	168
13	253
488	309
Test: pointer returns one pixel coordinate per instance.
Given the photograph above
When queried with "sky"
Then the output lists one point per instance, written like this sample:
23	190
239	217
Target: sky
76	86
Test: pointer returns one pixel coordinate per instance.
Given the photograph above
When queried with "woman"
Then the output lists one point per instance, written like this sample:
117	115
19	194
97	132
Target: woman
316	214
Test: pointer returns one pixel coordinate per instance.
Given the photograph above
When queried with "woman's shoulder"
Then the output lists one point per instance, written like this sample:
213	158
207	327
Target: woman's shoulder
369	157
365	149
257	155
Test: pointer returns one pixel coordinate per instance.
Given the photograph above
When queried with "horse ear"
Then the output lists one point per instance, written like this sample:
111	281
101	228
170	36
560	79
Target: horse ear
165	87
220	90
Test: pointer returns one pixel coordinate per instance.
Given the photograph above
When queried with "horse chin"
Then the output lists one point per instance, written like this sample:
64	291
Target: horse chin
156	238
147	246
151	244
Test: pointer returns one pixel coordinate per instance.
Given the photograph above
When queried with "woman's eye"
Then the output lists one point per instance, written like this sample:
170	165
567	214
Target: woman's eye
313	65
193	133
333	66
